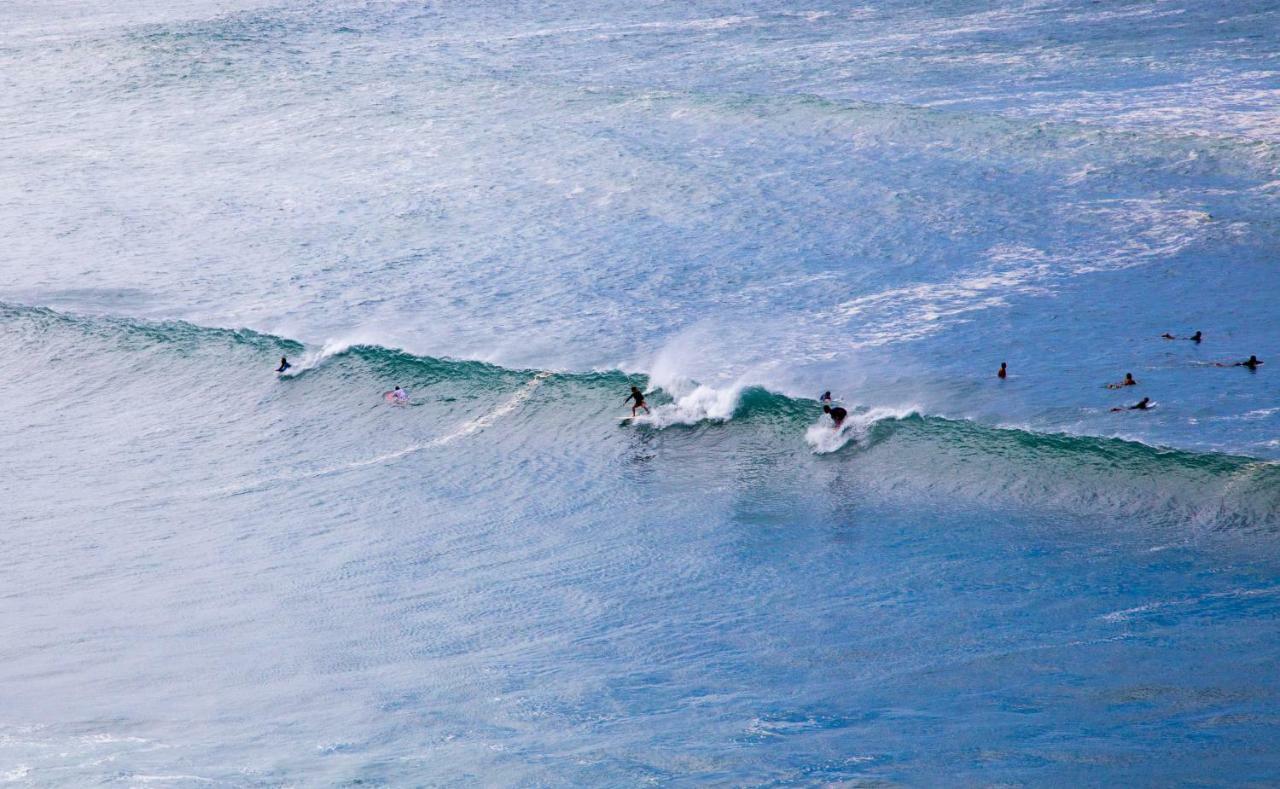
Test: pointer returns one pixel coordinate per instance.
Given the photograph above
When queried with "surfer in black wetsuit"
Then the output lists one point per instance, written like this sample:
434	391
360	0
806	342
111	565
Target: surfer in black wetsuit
1141	405
1196	338
638	396
1004	371
837	414
826	397
284	365
1252	363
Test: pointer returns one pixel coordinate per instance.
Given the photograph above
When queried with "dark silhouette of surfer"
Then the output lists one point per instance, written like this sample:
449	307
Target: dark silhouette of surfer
1252	363
284	365
638	396
837	414
1004	371
1196	338
1141	405
1128	381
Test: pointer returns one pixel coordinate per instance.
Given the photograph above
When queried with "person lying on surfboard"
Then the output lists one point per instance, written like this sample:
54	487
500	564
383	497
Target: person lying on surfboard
1252	363
1142	405
638	396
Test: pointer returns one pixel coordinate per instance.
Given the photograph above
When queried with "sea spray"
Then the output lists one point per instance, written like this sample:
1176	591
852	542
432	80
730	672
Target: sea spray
824	437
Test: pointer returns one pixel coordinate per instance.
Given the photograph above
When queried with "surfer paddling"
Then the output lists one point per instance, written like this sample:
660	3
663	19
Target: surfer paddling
1142	405
638	396
1252	363
1196	338
1128	381
397	396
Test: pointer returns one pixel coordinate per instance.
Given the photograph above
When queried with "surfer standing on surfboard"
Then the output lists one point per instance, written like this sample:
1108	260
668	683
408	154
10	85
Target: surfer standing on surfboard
638	396
284	365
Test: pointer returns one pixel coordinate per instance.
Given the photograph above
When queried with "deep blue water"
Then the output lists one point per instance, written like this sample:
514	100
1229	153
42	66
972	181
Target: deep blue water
213	574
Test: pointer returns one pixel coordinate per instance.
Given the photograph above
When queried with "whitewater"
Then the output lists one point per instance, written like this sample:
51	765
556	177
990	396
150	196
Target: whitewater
214	574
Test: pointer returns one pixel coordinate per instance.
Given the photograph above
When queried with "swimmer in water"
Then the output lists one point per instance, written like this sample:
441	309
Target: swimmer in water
284	365
1141	405
1196	338
638	396
837	415
1004	371
1128	381
399	396
826	398
1252	363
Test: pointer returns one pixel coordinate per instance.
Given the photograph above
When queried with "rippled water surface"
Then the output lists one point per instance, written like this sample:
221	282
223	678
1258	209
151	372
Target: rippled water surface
213	574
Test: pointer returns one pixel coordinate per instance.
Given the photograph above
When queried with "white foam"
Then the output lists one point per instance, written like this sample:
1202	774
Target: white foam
314	358
700	404
824	439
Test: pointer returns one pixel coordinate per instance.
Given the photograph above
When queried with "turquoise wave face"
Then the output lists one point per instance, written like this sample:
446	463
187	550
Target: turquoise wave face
455	399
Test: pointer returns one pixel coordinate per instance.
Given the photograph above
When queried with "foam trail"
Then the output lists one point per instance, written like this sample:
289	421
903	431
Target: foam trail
466	429
488	418
856	427
314	358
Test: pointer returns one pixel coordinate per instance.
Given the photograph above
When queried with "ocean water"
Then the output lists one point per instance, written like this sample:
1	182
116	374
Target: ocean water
214	575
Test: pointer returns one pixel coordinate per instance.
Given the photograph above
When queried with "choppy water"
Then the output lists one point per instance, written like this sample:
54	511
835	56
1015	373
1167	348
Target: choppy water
210	574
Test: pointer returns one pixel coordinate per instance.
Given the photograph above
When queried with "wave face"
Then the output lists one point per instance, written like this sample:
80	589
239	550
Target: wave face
517	211
897	449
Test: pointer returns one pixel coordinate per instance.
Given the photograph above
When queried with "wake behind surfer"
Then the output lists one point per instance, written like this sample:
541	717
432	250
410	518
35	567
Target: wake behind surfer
638	396
837	415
